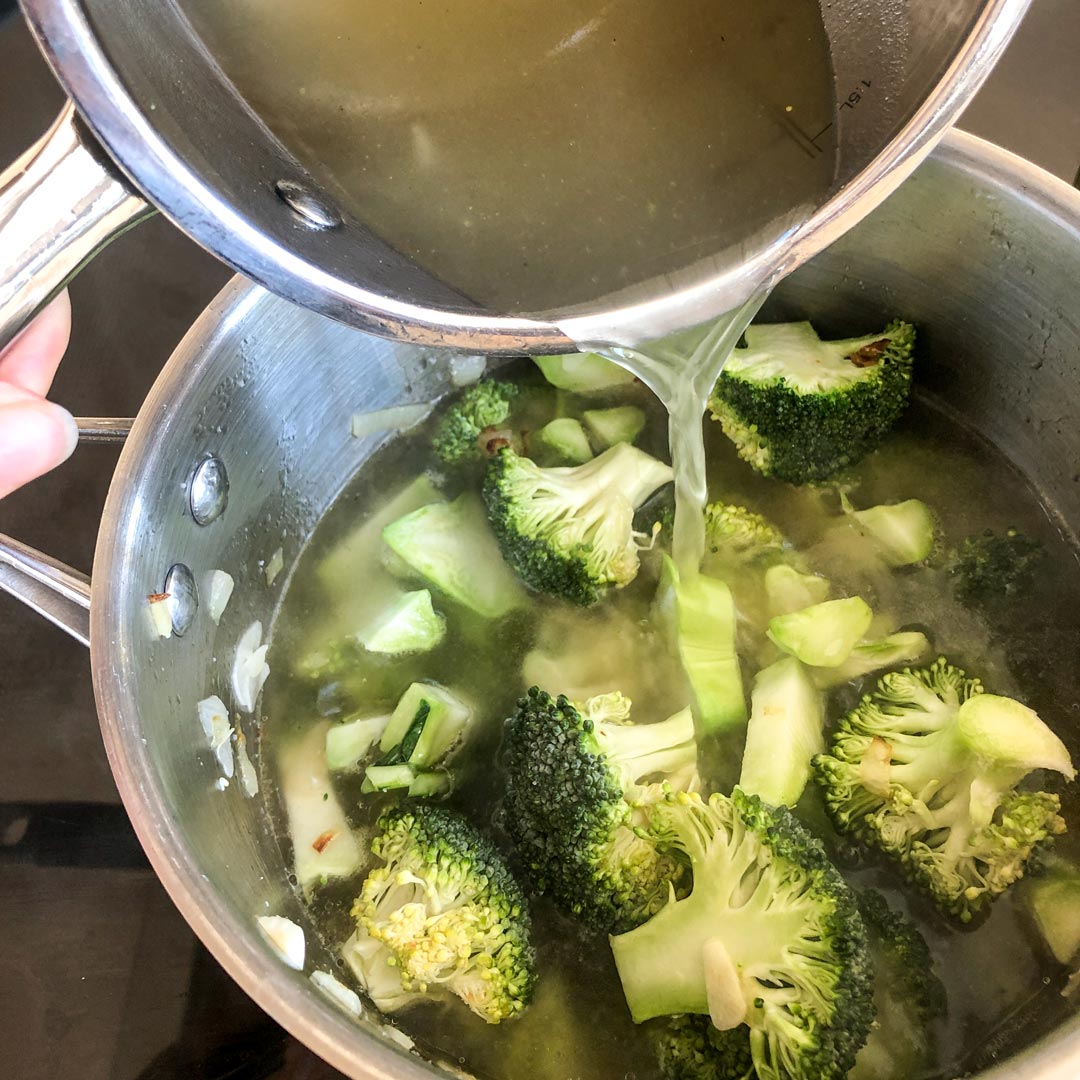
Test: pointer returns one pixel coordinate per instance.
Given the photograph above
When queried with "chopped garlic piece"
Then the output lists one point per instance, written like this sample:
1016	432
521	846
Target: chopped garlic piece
286	937
219	588
396	418
160	618
214	717
465	370
398	1036
250	669
723	990
249	779
274	565
337	991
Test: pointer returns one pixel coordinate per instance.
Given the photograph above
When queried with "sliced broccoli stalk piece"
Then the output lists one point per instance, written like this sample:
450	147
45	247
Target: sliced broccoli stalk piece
990	568
427	784
702	614
348	743
769	936
482	406
427	723
606	427
870	657
452	548
904	533
801	409
409	625
789	591
926	769
562	442
442	917
583	373
787	717
569	532
324	846
1053	898
388	777
825	634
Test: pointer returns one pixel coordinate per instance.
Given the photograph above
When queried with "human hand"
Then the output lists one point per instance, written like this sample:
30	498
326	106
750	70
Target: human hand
35	435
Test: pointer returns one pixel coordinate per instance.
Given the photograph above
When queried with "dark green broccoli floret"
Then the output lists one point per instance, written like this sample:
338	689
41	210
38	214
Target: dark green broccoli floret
690	1048
988	567
442	916
801	409
483	405
908	996
770	937
569	531
573	803
926	769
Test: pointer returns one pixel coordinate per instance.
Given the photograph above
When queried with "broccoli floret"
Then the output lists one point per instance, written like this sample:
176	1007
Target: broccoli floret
569	532
574	803
482	406
735	533
908	997
989	567
770	936
801	409
443	916
690	1048
926	769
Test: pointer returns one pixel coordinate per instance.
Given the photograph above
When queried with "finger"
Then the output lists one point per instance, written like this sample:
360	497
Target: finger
30	361
35	436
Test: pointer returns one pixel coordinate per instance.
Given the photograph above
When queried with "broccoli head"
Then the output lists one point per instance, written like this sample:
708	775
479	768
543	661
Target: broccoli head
736	533
770	936
482	406
690	1048
442	916
988	567
569	531
801	409
926	769
576	798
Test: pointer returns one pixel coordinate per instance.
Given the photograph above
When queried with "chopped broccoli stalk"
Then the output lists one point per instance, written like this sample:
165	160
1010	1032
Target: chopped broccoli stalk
990	567
348	743
324	846
451	547
427	784
735	533
690	1048
926	769
789	591
569	532
583	373
904	532
801	409
482	406
769	936
908	997
388	777
1053	898
704	625
606	427
409	625
563	442
825	634
575	799
870	657
427	723
787	716
442	917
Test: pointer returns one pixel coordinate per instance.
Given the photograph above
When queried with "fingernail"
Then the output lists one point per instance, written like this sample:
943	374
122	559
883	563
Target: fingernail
35	436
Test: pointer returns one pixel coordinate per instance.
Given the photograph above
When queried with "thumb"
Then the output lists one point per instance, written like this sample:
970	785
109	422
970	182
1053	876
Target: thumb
35	436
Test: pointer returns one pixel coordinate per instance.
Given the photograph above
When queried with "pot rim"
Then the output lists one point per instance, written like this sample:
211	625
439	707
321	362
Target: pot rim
231	940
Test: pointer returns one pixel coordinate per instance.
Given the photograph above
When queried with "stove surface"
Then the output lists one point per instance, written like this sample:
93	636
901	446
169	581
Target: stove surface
100	978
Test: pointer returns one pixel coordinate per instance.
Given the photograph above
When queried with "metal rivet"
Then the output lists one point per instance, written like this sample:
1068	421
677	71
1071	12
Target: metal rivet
183	596
208	492
315	209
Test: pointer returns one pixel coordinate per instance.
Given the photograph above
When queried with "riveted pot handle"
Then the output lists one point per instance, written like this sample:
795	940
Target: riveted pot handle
60	204
52	589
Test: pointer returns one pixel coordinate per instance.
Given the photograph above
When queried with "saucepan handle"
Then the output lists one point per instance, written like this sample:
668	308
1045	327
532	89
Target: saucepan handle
60	204
52	589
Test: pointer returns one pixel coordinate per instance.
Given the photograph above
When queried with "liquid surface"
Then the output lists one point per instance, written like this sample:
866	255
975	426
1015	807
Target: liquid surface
1003	988
536	154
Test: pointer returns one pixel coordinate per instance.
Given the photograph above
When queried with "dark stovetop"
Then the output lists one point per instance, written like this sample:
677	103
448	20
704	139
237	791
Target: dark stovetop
100	978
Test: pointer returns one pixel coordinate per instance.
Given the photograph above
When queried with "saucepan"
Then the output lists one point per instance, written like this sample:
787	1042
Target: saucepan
177	134
245	441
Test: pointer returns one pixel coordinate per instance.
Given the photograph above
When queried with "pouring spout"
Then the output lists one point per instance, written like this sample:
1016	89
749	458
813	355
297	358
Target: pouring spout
47	586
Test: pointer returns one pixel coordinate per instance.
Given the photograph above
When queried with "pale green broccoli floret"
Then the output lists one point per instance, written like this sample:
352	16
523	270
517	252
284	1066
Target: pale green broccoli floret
443	917
789	591
409	625
569	532
871	656
562	442
825	634
583	373
452	548
903	533
787	716
801	409
927	770
606	427
481	407
735	533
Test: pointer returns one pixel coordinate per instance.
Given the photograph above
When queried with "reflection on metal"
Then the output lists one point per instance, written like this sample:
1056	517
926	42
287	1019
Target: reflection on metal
312	208
183	597
103	429
52	589
209	490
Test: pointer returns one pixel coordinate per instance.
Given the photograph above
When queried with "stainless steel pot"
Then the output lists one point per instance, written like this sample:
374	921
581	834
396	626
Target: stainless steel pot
161	106
981	249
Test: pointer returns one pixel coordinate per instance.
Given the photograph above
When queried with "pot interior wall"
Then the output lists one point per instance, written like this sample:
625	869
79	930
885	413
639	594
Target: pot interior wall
987	271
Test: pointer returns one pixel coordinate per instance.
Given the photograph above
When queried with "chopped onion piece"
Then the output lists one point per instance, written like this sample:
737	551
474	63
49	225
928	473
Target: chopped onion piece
219	587
274	566
286	937
396	418
221	783
160	617
250	669
398	1036
214	717
338	992
249	779
465	370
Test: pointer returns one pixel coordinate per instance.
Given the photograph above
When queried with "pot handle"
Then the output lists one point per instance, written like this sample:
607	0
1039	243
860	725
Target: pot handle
60	204
52	589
